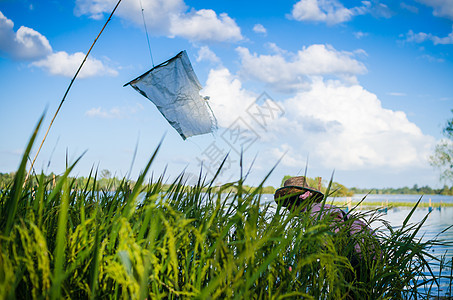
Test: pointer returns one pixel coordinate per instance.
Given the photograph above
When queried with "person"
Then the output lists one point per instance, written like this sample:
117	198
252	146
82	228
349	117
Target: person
297	194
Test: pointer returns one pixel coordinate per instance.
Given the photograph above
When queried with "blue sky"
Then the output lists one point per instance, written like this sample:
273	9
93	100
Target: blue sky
362	88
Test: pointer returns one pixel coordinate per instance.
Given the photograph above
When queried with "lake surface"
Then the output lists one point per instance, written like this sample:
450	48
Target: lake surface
434	227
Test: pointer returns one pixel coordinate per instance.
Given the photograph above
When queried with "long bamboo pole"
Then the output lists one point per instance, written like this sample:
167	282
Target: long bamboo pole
69	87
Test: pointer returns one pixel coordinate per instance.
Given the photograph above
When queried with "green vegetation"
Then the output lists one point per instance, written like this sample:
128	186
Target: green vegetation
415	190
336	189
228	188
339	190
108	183
442	158
138	241
103	182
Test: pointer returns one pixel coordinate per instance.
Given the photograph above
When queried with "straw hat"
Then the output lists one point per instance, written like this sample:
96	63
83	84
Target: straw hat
293	188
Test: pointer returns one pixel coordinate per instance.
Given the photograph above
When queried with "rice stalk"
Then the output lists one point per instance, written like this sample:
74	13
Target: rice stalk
150	239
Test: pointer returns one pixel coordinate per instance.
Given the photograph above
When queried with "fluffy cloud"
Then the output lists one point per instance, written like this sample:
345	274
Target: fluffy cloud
205	25
346	127
341	126
397	94
360	34
168	17
416	37
411	8
156	12
227	96
292	73
258	28
64	64
442	8
448	40
204	53
114	112
26	43
422	37
328	11
431	58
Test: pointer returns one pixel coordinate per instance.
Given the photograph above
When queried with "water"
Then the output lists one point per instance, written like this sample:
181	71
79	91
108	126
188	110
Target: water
438	220
434	227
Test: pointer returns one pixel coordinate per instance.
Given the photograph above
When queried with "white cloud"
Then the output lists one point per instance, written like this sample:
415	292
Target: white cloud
64	64
288	156
352	129
95	9
431	58
228	97
448	40
157	12
442	8
397	94
293	73
203	25
26	43
168	17
422	37
360	34
259	28
204	53
328	11
342	126
408	7
276	49
416	37
114	112
378	9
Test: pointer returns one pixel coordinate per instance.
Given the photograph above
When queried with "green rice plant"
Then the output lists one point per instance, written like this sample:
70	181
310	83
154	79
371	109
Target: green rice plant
166	240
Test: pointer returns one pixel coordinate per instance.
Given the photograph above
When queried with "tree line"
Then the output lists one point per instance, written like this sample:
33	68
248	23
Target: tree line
102	182
106	182
415	190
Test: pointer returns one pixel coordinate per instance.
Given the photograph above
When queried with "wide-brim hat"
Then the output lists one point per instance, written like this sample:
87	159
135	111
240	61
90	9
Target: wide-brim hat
288	195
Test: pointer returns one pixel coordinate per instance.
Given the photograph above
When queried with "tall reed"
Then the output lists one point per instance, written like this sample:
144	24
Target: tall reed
141	242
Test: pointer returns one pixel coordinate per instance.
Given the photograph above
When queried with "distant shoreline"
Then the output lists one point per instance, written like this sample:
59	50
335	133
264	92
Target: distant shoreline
388	200
396	204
